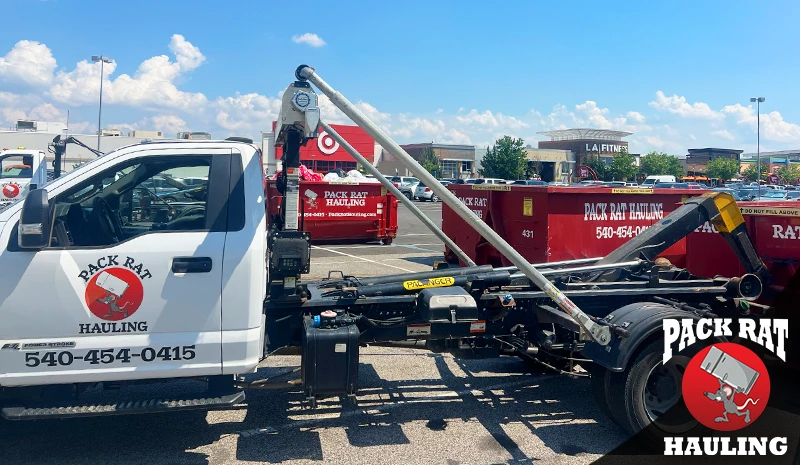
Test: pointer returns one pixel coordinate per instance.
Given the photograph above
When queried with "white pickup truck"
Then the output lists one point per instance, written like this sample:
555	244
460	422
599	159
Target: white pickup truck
109	283
19	169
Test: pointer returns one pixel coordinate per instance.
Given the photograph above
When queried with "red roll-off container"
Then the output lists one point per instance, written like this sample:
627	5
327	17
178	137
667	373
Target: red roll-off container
339	212
546	224
775	230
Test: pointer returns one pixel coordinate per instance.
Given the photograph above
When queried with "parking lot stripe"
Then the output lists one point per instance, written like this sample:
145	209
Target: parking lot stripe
360	258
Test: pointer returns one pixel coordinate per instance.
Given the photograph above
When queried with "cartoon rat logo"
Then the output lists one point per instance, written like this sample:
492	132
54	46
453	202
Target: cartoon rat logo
111	299
725	395
725	381
114	294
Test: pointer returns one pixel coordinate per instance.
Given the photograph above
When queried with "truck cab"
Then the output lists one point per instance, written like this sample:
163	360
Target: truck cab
109	282
19	170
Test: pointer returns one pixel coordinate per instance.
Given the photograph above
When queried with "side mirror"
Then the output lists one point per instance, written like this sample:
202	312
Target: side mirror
34	222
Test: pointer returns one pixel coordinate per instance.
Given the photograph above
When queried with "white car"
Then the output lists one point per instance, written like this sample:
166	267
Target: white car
490	181
424	192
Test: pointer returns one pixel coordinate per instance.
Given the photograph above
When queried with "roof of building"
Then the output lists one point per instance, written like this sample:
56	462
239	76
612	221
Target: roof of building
438	146
585	133
710	149
773	154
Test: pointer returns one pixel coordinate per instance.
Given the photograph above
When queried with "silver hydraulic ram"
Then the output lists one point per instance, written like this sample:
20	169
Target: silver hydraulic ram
396	192
599	333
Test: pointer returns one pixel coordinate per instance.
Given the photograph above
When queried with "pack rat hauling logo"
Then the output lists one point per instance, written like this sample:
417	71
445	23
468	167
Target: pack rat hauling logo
114	292
725	386
11	190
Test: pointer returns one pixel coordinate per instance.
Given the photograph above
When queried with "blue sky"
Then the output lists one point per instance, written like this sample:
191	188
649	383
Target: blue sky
676	74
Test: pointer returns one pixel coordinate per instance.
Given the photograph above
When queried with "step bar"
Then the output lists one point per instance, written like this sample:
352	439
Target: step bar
122	407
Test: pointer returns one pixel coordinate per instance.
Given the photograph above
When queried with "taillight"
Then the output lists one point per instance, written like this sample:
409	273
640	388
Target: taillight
427	189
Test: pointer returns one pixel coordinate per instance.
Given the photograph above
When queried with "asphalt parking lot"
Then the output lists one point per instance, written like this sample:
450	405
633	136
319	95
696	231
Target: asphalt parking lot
413	407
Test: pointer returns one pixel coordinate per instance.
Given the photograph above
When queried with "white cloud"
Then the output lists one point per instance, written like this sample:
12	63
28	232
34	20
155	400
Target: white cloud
28	62
679	106
773	126
151	86
723	133
635	116
309	39
489	120
169	124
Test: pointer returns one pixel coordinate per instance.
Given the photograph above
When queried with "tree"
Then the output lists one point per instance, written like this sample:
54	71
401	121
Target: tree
429	160
659	163
599	166
722	168
751	174
623	166
506	159
790	174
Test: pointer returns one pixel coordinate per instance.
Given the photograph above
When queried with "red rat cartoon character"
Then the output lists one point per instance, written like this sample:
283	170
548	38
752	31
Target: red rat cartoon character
725	394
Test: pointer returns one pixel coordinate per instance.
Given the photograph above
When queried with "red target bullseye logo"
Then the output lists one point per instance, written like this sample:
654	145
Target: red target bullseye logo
11	190
726	386
114	294
326	144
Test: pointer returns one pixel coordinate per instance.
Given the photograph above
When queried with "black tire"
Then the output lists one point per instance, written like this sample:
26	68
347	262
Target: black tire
647	397
408	195
600	378
434	198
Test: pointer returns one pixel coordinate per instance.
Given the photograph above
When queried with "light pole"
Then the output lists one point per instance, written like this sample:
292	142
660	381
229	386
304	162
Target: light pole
758	101
103	60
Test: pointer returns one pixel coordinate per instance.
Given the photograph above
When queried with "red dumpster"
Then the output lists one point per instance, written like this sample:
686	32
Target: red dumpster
334	212
775	230
546	224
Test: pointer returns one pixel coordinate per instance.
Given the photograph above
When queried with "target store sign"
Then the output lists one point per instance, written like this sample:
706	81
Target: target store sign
324	148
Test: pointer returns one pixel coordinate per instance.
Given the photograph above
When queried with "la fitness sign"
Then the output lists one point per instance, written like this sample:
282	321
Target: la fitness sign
606	148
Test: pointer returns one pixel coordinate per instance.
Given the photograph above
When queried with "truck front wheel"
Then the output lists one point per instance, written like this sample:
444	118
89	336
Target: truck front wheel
647	395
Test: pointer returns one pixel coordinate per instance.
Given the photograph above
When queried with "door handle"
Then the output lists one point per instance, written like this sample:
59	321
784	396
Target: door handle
191	264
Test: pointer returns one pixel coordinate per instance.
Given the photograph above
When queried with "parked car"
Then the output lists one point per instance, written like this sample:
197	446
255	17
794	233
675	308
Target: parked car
529	182
772	195
490	181
793	195
737	194
614	183
671	185
408	189
695	185
423	192
558	183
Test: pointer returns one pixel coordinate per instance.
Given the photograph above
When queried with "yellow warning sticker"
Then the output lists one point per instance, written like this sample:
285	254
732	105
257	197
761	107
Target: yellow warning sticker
770	211
491	187
426	283
527	206
631	190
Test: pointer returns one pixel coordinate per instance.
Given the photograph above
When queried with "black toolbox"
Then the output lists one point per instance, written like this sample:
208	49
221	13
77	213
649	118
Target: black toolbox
329	361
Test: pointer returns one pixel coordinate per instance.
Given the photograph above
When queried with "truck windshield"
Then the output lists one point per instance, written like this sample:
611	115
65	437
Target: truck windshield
649	182
15	167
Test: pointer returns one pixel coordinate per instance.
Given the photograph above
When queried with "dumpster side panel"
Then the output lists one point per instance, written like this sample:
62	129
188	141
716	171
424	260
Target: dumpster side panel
561	223
775	230
341	212
461	232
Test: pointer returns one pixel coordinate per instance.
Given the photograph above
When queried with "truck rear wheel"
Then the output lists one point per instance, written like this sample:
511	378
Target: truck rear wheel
647	395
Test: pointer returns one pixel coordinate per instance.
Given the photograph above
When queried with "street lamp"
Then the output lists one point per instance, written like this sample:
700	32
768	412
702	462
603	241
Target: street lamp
102	59
758	101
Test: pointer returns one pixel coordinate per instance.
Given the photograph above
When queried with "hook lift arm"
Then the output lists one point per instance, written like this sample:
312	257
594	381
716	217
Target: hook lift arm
600	333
